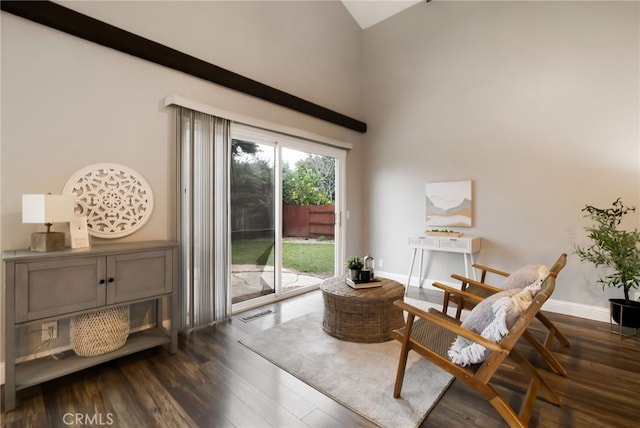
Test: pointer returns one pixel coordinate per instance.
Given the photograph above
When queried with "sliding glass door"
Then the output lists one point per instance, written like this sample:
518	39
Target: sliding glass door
308	218
285	204
252	216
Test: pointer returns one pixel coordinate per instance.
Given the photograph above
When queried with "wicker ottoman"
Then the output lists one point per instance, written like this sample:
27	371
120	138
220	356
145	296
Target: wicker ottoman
367	315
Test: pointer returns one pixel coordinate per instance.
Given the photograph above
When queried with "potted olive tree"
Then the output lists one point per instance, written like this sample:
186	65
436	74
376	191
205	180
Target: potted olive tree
618	252
355	265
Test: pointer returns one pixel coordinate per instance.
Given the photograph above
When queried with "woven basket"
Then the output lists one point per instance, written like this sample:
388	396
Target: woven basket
97	333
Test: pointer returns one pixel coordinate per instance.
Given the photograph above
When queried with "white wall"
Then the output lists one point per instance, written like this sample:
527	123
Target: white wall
68	103
536	102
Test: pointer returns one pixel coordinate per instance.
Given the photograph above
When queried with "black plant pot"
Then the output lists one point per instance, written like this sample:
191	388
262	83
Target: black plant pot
355	274
630	312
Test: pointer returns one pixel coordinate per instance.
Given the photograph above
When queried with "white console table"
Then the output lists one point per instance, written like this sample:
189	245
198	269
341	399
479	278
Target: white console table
465	245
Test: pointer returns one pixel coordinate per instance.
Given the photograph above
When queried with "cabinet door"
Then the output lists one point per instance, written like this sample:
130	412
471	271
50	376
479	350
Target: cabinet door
58	286
135	276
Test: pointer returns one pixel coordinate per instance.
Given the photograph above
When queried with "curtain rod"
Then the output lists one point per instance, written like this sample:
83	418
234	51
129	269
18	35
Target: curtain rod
179	100
71	22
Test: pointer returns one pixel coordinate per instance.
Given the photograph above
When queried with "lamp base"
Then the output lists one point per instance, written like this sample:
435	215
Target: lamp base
47	241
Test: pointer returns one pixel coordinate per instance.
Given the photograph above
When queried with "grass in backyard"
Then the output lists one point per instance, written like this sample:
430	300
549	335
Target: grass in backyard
301	257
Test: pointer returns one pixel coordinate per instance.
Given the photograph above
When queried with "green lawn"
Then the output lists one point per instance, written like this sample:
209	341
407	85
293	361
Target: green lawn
301	257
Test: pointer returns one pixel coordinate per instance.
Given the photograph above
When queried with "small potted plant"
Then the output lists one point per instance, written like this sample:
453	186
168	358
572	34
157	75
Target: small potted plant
355	265
618	252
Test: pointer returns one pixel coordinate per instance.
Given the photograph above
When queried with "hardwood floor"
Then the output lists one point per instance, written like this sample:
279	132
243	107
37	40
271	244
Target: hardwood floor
213	381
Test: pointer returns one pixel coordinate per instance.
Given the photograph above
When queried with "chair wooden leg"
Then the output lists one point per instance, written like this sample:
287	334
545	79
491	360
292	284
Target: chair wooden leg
404	353
547	323
535	384
460	301
445	302
506	412
498	403
546	354
536	380
459	306
529	401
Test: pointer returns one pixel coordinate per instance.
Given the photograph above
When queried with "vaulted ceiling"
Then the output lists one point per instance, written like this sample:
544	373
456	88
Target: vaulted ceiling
370	12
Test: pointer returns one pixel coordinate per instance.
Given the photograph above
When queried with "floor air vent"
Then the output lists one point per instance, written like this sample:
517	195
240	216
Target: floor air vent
256	315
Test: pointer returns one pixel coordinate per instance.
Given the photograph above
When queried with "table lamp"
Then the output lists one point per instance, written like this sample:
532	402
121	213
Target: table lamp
47	209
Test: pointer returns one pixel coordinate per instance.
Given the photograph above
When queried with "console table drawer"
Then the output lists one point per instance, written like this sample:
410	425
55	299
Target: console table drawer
463	244
426	242
455	245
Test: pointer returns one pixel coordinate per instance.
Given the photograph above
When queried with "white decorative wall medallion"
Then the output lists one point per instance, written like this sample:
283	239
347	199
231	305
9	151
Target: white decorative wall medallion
116	199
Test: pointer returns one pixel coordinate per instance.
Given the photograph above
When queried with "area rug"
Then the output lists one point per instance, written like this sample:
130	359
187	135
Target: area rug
359	376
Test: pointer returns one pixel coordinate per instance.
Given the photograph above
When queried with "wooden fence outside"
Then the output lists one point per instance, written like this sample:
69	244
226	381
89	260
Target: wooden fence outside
308	221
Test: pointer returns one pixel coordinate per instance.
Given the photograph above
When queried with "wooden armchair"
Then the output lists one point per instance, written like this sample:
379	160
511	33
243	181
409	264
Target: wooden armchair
472	292
431	334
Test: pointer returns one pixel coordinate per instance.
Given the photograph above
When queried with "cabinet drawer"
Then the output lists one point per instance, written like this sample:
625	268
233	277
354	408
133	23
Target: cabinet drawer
58	286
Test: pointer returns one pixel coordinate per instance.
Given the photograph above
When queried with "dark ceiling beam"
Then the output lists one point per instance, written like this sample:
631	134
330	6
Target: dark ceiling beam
69	21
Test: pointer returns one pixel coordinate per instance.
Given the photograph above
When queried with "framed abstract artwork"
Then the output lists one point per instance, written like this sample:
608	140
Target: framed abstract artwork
449	204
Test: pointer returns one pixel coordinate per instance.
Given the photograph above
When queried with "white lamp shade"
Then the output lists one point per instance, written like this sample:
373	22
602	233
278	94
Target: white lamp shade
45	209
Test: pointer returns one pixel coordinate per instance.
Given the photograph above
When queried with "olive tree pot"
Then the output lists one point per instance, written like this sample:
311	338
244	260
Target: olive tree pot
625	313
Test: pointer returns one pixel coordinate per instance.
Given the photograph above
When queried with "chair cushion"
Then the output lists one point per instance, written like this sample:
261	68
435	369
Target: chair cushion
526	276
492	318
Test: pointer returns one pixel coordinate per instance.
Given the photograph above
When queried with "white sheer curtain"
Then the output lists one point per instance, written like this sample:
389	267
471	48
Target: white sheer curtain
203	218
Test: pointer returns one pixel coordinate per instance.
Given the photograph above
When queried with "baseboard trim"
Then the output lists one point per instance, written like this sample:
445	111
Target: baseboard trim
595	313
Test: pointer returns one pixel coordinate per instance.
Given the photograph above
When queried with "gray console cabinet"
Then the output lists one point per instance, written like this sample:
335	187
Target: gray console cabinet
42	287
